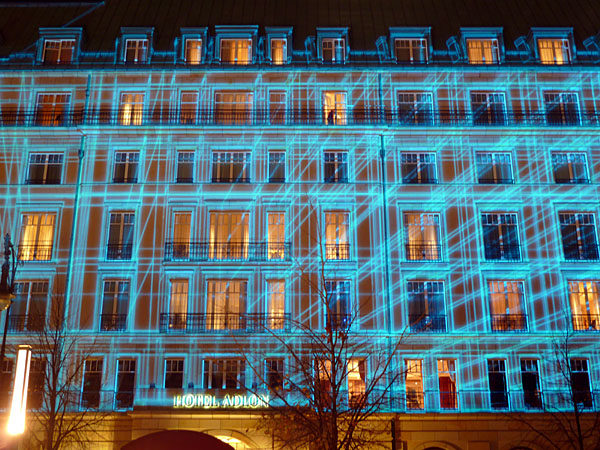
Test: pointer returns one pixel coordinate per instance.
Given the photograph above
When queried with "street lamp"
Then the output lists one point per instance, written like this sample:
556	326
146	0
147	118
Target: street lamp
16	420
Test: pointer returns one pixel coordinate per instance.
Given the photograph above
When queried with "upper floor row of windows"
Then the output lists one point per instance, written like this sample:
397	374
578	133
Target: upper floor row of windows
242	45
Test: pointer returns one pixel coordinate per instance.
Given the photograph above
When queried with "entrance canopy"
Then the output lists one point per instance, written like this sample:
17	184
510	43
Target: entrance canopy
177	439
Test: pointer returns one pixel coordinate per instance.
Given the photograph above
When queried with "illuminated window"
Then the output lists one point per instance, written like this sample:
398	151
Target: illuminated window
125	383
447	383
226	305
37	383
500	237
136	51
507	303
337	244
185	167
92	382
337	294
189	108
489	108
422	231
276	167
52	109
554	51
131	108
229	235
37	236
58	51
115	305
276	304
335	167
415	108
182	227
233	108
418	168
579	238
276	235
236	51
497	383
174	373
426	310
580	383
494	168
357	376
126	167
562	108
570	168
45	168
333	50
530	380
6	382
415	396
224	374
325	382
584	296
178	305
193	51
483	51
120	236
413	51
277	107
279	51
274	373
334	108
230	167
28	310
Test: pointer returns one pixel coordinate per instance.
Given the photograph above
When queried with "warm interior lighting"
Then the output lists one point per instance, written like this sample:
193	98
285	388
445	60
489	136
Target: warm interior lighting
16	420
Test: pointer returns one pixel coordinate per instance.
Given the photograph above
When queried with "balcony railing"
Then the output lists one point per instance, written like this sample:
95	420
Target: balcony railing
24	323
586	322
339	251
125	180
240	179
503	252
494	180
223	323
117	252
35	252
427	323
47	180
575	252
227	251
359	116
423	252
113	322
338	321
503	323
573	180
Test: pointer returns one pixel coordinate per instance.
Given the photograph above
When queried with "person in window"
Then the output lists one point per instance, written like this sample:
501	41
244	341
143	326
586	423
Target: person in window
331	117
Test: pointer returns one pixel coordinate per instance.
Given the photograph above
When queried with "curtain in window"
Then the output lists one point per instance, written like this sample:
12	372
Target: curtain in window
276	235
225	304
276	303
228	238
182	234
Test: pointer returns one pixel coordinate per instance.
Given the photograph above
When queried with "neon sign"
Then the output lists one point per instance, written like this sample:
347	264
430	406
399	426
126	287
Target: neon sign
189	401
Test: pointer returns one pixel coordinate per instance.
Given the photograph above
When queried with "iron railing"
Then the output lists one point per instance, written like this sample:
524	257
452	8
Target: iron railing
117	252
295	116
586	322
338	251
423	252
574	251
509	322
35	252
24	323
502	252
113	322
338	321
427	323
227	251
197	323
41	180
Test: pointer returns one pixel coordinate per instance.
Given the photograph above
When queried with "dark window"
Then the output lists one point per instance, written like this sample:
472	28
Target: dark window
58	51
500	237
578	233
224	374
276	167
488	108
277	104
185	167
174	373
37	383
115	304
580	383
337	293
28	311
570	168
426	306
45	168
125	383
274	373
415	108
92	382
336	167
334	50
189	108
120	236
562	108
418	168
126	167
530	378
494	168
413	51
497	381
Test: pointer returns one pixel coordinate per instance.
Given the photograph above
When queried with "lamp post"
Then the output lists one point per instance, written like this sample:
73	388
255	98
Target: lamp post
7	281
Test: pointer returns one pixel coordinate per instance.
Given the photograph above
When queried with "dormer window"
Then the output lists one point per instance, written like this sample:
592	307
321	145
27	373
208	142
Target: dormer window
333	50
411	51
236	51
136	51
483	51
554	51
193	51
279	51
58	51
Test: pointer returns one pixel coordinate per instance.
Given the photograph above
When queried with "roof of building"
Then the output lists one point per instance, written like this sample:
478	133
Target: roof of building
366	19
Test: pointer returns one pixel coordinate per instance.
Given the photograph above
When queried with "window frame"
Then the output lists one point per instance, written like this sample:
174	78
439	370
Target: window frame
494	167
127	166
182	152
488	116
494	48
407	242
55	231
131	113
338	166
127	397
217	177
144	49
128	257
568	156
421	166
522	252
270	178
176	360
46	167
57	116
60	49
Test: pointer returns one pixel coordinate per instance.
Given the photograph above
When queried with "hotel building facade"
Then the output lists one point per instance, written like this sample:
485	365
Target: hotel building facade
174	172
